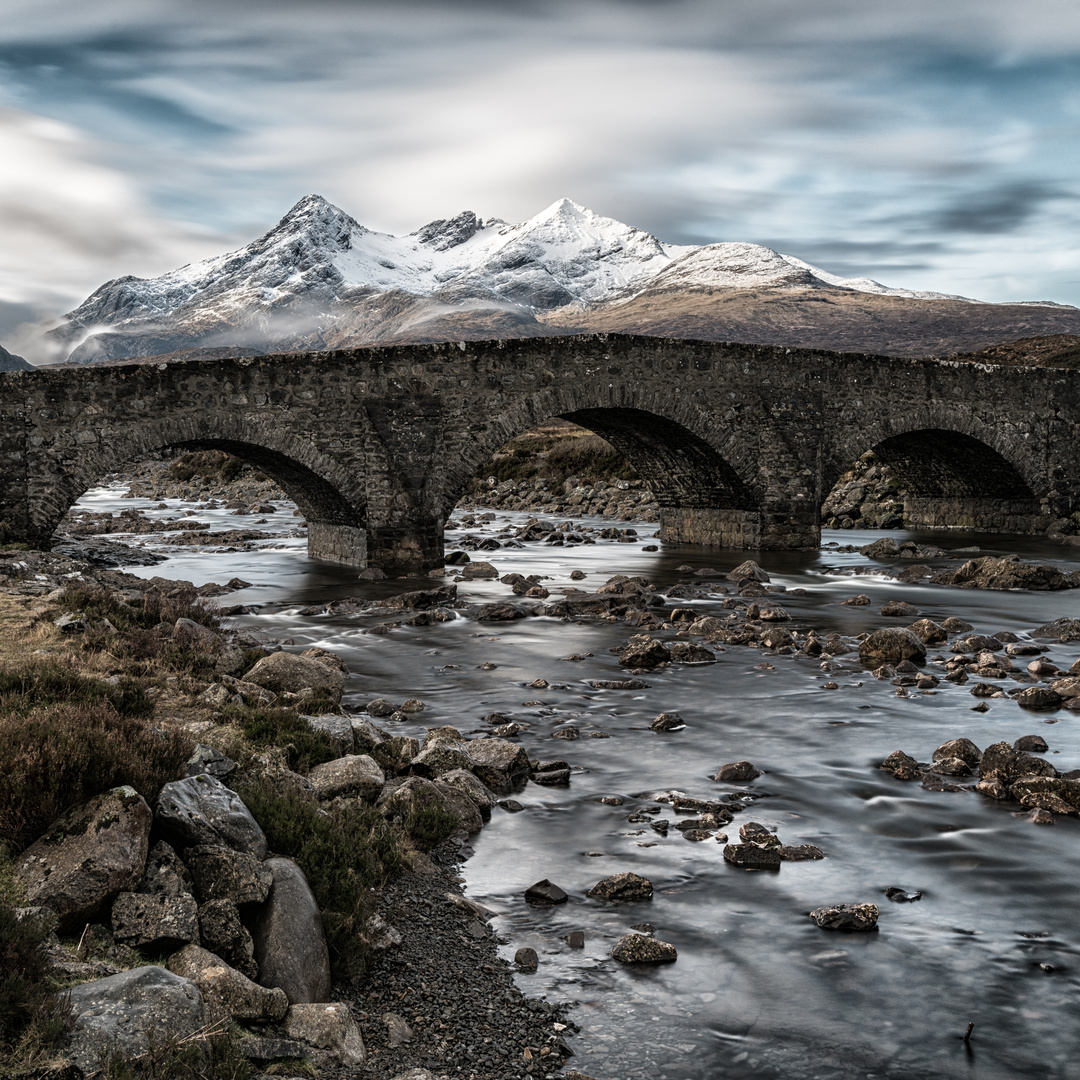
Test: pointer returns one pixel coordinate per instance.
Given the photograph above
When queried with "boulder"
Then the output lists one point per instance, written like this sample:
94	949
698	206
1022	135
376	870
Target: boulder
990	572
885	548
1002	763
891	645
366	735
620	887
329	1026
686	652
222	932
473	788
118	1013
458	803
355	774
396	753
499	612
499	763
643	949
287	673
165	873
164	922
667	721
338	729
290	945
1039	698
643	651
225	988
439	758
479	571
1029	787
90	854
403	800
202	810
964	749
846	917
219	873
776	637
207	759
748	571
929	632
753	856
898	609
1063	630
902	766
545	893
526	960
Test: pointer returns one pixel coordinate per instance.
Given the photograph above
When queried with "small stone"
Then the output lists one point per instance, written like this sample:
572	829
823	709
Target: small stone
575	939
398	1031
846	917
801	853
526	960
899	609
622	887
667	722
643	949
544	893
862	600
737	771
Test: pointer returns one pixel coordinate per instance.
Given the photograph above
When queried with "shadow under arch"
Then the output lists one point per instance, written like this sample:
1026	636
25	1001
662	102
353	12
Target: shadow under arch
955	480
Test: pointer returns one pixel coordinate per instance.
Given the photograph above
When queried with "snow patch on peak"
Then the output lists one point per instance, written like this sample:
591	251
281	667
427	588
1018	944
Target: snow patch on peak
869	285
732	266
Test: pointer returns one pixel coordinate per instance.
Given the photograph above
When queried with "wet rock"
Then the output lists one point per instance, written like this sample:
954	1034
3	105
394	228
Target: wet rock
1040	698
328	1026
962	748
285	672
989	572
1062	630
202	810
479	571
226	988
846	917
667	722
222	874
902	766
88	855
642	651
499	612
1028	787
801	853
222	932
890	646
622	887
753	856
901	896
776	637
1031	744
395	755
737	771
885	548
686	652
570	732
526	960
354	774
929	632
951	766
862	600
381	707
545	893
1042	668
993	789
163	922
618	684
418	600
290	946
121	1010
643	949
899	609
748	571
472	788
1001	762
500	764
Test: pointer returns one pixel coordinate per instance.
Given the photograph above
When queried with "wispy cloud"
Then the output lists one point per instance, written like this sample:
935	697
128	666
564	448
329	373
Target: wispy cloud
932	142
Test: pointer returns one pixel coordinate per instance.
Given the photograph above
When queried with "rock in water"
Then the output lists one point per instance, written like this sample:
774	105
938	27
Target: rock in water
891	645
847	917
88	855
622	887
545	892
643	949
290	946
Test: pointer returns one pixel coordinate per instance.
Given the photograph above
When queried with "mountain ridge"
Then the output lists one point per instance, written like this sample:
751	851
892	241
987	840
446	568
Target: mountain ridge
319	279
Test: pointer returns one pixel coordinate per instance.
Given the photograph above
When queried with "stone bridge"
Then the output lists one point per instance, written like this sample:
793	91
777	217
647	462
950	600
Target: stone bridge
741	443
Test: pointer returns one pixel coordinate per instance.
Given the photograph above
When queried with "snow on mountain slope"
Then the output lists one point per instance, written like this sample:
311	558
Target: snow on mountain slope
317	278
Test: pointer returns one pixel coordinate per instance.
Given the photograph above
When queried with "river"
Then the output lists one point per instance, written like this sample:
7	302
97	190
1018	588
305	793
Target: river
758	989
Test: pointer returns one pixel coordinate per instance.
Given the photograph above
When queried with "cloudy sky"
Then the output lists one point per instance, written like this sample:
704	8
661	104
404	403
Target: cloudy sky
928	143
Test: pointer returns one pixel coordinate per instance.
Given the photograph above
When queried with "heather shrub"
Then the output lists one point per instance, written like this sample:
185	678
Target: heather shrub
29	686
27	1022
265	726
211	1054
345	853
59	755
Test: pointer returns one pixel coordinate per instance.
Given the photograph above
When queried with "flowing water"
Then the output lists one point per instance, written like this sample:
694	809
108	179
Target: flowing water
758	989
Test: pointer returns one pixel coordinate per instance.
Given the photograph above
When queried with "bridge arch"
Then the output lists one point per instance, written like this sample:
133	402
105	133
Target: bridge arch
957	470
332	502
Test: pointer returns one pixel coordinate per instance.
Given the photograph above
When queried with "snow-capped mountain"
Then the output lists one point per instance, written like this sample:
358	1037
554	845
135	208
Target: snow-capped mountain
320	279
11	362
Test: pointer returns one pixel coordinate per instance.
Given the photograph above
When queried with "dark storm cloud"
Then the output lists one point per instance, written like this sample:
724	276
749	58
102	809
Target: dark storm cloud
997	210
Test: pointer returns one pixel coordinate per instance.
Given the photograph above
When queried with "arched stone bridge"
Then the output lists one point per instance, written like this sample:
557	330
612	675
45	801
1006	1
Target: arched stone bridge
742	443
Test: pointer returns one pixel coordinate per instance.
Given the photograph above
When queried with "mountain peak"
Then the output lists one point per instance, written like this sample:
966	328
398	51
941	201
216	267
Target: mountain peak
318	218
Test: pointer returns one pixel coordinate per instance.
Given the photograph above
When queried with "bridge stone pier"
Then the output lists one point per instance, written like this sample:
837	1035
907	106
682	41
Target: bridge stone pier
742	443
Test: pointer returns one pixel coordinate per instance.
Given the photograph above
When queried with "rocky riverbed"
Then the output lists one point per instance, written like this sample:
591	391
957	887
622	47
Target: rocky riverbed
718	728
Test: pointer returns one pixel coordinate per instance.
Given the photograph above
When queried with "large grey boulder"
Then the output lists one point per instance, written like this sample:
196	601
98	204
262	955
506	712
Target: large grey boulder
88	856
165	873
439	758
287	673
366	735
119	1013
499	763
473	787
396	753
202	810
222	874
225	989
338	729
891	645
329	1026
165	922
404	800
290	946
355	774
